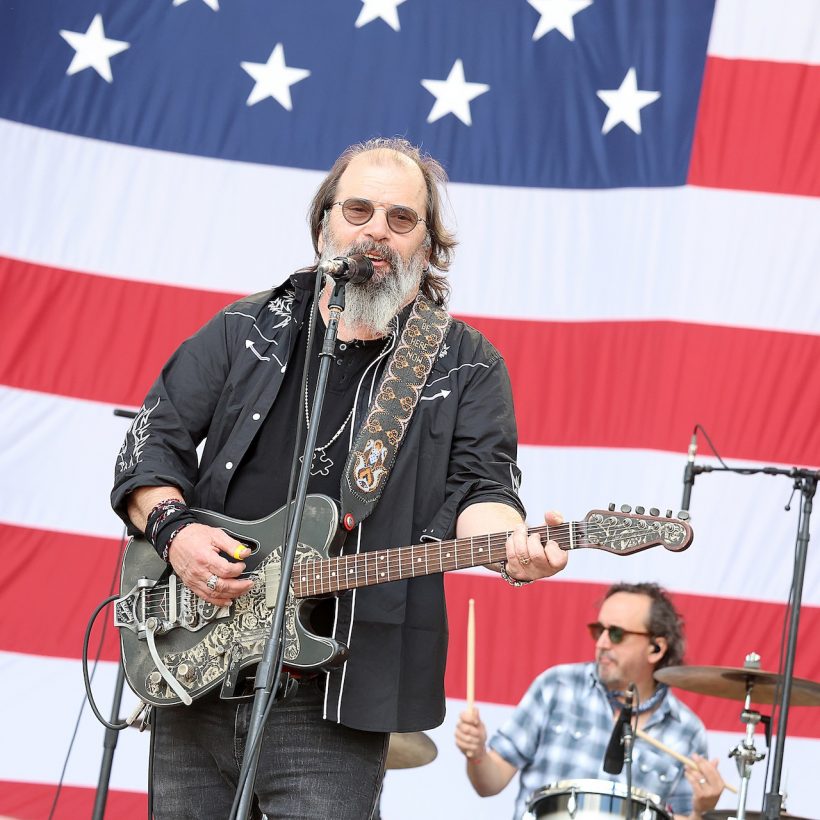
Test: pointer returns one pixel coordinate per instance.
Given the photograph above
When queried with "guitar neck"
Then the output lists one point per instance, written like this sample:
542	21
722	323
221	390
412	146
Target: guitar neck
323	576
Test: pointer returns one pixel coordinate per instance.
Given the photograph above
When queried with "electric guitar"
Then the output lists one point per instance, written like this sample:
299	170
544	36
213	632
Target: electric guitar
176	646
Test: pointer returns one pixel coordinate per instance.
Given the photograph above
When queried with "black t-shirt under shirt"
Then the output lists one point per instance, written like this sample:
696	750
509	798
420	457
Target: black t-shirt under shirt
260	483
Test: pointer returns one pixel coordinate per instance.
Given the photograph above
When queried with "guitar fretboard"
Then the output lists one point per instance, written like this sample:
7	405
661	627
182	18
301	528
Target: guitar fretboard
323	576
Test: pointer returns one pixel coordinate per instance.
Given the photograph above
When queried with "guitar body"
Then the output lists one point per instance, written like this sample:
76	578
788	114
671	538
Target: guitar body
201	644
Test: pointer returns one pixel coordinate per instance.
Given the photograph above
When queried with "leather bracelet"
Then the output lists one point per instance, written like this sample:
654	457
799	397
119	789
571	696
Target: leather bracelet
513	582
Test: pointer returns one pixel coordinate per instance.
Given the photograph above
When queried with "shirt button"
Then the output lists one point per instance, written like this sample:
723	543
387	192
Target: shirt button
228	465
256	416
342	346
559	728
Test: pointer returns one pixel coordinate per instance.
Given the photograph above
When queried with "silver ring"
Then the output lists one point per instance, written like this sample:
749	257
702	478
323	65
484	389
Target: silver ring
702	780
211	582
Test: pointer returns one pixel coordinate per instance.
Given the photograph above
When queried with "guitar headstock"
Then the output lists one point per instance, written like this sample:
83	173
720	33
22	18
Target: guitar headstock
623	531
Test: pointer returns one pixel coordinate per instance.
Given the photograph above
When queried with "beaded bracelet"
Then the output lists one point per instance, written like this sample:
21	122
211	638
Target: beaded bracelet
513	582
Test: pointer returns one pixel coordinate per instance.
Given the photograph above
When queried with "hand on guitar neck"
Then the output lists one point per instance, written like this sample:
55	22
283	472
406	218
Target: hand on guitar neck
529	557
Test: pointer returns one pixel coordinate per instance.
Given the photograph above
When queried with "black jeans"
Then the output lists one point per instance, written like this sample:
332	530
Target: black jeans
308	767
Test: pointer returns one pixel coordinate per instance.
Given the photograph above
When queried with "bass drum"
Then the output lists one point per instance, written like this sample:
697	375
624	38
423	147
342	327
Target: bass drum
592	800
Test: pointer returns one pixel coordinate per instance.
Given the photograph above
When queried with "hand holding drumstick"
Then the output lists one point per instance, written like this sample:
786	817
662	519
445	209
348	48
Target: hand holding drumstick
687	761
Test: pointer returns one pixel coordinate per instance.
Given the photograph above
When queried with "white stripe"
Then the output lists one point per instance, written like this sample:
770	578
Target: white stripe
780	30
40	703
688	254
57	462
737	520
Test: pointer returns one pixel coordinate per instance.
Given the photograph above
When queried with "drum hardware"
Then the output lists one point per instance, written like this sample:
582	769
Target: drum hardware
407	750
740	684
592	800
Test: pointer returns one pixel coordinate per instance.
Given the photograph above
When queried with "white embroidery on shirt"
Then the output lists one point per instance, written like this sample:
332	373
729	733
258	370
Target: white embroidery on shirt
137	434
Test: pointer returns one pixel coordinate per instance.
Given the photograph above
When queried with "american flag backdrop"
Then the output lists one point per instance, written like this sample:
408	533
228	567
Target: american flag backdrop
635	187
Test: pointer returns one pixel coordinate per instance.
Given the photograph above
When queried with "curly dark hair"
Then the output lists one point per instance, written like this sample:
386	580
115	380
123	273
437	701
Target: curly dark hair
442	242
664	620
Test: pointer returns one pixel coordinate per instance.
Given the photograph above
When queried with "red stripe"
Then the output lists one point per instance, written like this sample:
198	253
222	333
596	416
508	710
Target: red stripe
616	384
645	385
33	801
757	127
521	632
40	557
92	337
527	629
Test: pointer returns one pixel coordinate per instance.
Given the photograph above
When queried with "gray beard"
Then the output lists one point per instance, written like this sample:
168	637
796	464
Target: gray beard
372	305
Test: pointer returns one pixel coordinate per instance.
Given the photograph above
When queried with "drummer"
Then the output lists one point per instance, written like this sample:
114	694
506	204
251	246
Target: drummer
561	728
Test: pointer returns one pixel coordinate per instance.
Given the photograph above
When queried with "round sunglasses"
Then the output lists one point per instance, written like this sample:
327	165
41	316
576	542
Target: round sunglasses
400	218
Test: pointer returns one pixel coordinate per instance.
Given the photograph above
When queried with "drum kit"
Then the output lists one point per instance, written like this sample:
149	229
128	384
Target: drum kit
601	799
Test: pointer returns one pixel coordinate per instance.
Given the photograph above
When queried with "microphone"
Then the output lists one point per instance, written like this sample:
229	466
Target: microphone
689	471
614	755
354	269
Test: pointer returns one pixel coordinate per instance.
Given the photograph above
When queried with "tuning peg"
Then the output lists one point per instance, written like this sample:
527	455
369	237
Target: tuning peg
683	515
611	507
654	511
640	510
669	513
625	508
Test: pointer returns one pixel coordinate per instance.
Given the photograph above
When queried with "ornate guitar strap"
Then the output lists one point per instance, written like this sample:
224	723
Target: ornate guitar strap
374	452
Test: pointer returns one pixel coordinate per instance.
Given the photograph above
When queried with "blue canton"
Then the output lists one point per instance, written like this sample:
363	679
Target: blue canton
561	728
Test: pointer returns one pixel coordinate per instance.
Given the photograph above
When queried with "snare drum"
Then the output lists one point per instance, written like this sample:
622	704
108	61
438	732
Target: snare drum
592	800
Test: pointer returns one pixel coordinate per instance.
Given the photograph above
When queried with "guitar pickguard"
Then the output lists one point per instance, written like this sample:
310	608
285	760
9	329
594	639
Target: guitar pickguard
242	636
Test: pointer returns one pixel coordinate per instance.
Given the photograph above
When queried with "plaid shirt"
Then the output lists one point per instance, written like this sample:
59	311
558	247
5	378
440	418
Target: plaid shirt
561	728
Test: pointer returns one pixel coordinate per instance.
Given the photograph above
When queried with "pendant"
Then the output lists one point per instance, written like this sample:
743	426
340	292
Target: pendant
325	463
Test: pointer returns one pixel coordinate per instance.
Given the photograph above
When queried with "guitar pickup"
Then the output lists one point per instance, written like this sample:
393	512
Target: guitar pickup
272	578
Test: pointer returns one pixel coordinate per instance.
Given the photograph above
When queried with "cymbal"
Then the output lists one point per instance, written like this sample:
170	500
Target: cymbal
750	815
730	682
409	749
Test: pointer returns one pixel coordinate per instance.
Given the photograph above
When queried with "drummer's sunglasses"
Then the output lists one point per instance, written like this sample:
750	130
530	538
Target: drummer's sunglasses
616	633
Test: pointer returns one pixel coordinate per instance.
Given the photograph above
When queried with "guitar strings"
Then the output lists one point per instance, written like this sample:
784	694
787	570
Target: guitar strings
376	564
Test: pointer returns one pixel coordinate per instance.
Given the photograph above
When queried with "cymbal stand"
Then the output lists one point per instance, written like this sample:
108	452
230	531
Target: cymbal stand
745	753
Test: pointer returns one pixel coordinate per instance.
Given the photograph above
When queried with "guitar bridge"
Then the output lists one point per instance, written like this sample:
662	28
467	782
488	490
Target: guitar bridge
170	605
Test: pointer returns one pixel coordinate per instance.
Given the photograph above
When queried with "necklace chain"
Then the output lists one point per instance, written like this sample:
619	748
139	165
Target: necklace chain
324	459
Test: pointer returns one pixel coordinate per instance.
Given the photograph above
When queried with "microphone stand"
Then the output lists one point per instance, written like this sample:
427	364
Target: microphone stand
269	668
628	739
806	482
111	736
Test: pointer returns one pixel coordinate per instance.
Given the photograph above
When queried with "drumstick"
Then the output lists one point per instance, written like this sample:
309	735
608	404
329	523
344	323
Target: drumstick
471	654
687	761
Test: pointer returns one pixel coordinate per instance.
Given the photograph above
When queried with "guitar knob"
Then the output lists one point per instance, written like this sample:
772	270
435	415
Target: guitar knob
155	678
640	510
185	672
654	511
625	508
611	507
669	513
683	515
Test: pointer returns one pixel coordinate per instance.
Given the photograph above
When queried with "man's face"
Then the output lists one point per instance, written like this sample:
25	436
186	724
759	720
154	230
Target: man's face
387	179
626	662
399	259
